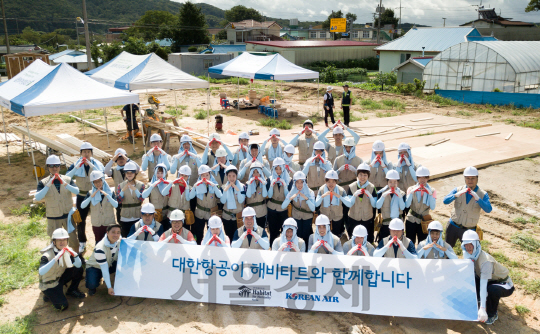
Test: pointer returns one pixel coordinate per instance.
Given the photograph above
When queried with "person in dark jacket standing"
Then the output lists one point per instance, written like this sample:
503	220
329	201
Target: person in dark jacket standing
328	106
346	104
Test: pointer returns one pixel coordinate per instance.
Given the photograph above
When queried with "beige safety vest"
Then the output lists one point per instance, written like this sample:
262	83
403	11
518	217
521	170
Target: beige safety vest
141	236
83	183
177	200
108	255
348	245
361	209
278	197
58	203
347	176
184	233
218	179
390	251
378	176
245	244
239	207
51	278
302	211
266	153
405	179
434	251
257	201
117	178
315	177
102	214
334	152
322	250
192	164
466	215
386	207
418	207
304	150
151	167
333	212
157	198
131	205
208	202
500	272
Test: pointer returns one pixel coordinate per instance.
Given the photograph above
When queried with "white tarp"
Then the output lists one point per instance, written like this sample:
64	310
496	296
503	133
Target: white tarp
41	89
437	289
131	72
273	67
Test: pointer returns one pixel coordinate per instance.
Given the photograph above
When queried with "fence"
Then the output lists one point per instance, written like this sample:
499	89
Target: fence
520	100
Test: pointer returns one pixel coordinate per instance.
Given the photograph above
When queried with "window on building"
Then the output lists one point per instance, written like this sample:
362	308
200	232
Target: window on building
365	34
208	63
313	34
355	34
405	57
322	34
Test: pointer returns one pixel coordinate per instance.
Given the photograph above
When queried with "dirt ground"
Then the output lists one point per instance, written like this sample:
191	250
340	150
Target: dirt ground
513	188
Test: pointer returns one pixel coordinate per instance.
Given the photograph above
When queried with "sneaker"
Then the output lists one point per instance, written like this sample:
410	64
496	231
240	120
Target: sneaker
76	293
82	247
492	319
91	292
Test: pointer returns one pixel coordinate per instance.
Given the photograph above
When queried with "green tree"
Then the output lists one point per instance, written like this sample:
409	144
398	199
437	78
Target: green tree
136	46
222	34
334	15
240	13
191	27
30	35
534	5
163	52
154	24
387	17
96	53
110	51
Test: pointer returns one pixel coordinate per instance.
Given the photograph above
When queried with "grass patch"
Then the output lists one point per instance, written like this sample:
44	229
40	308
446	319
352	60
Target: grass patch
20	325
201	114
464	113
531	160
176	112
394	104
457	248
274	123
370	104
429	133
505	261
522	310
2	301
441	100
352	116
526	242
384	114
520	220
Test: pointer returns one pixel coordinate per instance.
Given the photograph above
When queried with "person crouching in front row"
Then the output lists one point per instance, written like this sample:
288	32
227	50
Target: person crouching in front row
358	245
289	241
146	229
250	235
323	241
102	262
215	235
396	245
177	233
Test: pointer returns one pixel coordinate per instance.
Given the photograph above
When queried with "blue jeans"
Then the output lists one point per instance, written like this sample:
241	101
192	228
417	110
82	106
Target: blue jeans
94	276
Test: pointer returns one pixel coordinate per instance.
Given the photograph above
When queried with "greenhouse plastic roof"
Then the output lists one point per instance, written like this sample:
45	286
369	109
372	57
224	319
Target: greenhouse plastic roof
521	55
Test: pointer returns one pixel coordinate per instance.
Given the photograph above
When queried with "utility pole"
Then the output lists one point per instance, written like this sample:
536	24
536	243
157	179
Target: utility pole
379	10
444	22
5	28
87	36
399	13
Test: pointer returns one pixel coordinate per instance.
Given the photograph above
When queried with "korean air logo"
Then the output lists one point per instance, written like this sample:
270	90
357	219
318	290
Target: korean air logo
308	297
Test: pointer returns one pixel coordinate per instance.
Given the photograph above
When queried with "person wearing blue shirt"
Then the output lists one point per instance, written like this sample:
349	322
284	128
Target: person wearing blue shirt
396	245
147	228
469	200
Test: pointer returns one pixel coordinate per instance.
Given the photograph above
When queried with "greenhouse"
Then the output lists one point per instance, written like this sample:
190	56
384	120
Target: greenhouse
506	66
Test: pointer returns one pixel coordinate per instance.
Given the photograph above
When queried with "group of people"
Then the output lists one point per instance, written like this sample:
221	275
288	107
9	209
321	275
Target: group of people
259	198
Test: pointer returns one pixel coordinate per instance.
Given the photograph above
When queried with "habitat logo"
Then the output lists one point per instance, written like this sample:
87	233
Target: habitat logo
308	297
254	292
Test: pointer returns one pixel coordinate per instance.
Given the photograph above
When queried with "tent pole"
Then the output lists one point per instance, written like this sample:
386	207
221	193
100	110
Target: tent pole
84	129
238	84
31	150
318	97
106	126
208	110
274	91
5	134
175	101
132	130
142	129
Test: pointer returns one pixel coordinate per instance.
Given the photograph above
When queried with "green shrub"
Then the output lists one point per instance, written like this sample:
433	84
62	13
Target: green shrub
192	49
522	310
525	241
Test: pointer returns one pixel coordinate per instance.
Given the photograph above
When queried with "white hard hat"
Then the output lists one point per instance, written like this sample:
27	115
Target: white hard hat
53	160
155	137
360	231
331	174
248	212
392	175
60	233
204	169
363	166
289	222
215	222
307	121
470	171
337	130
244	135
299	176
256	164
86	146
274	131
96	175
289	149
322	220
349	142
435	225
470	235
378	146
215	136
278	162
120	151
422	171
148	208
177	215
131	167
231	168
185	170
185	138
221	152
403	147
396	224
329	88
318	146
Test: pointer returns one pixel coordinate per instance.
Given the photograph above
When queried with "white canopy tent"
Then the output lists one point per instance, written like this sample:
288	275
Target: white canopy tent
41	89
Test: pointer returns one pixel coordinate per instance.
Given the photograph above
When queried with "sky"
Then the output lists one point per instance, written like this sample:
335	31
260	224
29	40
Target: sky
425	12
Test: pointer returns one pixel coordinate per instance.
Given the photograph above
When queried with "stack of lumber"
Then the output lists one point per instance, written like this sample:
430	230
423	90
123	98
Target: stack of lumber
76	143
53	144
11	137
95	126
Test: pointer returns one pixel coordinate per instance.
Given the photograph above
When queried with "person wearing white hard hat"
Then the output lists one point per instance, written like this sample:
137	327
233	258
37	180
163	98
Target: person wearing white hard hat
330	199
288	241
187	156
290	166
129	197
250	235
257	192
209	153
302	201
214	234
254	155
57	191
470	200
177	234
179	194
220	164
492	278
434	247
337	149
396	245
207	192
379	165
358	245
346	164
328	106
323	241
420	199
102	262
117	173
80	171
147	228
363	199
275	150
59	265
278	189
103	201
233	198
242	151
391	202
305	143
155	156
154	189
316	167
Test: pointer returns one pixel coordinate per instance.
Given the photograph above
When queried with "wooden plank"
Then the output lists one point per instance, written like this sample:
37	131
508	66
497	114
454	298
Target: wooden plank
42	139
441	141
488	134
76	143
509	136
421	119
95	126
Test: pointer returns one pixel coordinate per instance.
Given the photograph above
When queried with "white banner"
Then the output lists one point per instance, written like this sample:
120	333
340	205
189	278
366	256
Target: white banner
437	289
